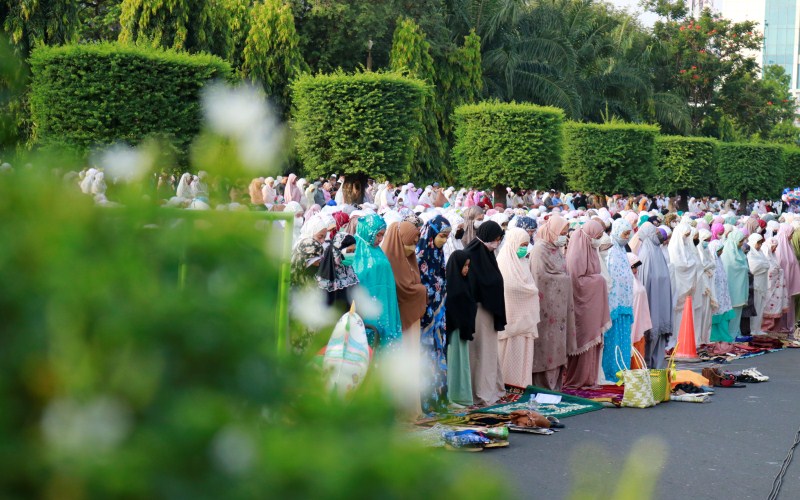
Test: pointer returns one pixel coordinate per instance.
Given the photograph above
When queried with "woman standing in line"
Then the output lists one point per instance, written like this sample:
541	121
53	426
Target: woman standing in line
590	297
486	286
557	317
522	309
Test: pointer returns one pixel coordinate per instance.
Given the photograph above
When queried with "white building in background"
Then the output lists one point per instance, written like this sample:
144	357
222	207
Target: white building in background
697	6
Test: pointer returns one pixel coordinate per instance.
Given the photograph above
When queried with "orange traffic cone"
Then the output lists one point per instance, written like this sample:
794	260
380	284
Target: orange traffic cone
686	348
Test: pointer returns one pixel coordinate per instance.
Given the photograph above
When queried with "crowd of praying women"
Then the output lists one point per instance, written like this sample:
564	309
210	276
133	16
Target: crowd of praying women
552	297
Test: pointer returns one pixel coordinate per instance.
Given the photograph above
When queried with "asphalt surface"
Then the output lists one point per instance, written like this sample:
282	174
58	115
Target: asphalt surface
729	448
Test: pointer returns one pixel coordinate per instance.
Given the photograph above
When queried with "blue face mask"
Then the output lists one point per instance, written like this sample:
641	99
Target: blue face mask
347	260
522	252
705	244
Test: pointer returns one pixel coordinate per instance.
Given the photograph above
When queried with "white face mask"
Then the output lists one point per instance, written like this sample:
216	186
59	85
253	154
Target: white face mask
596	243
561	241
492	245
477	224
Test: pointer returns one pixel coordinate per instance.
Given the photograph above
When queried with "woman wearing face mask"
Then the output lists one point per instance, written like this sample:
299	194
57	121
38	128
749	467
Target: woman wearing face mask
557	317
685	263
522	309
529	225
430	256
486	286
473	218
655	277
400	247
737	269
460	310
776	301
307	252
759	268
620	302
375	274
590	298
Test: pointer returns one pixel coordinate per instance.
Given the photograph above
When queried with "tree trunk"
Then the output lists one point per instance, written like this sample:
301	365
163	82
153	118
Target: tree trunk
353	188
500	195
742	204
683	203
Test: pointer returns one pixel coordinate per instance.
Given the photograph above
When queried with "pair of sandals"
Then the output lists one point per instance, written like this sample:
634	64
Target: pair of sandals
472	440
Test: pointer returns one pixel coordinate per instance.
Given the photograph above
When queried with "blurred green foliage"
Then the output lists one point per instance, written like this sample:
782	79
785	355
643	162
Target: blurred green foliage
791	163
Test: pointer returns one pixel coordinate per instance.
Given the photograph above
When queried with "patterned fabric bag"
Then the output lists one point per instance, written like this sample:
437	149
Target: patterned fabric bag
638	387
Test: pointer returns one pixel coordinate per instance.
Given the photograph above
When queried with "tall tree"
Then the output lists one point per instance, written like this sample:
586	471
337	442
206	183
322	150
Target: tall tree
31	22
271	53
411	53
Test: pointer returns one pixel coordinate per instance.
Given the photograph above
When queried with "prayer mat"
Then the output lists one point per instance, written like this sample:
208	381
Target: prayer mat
568	407
609	395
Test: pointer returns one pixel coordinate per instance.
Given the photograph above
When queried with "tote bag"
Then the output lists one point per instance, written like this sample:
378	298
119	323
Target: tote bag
638	386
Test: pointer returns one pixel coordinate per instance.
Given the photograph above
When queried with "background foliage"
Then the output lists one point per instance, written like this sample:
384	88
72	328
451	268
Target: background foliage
508	144
357	124
609	158
791	162
90	95
750	170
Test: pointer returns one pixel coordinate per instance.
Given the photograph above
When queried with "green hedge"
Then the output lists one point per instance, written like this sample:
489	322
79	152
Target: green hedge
508	144
357	124
684	164
609	158
791	161
750	171
89	95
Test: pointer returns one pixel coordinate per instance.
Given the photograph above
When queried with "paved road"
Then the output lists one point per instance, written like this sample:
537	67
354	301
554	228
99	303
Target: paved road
730	448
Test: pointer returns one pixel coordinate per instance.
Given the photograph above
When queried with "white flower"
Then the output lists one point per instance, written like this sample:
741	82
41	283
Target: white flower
72	427
233	111
308	306
366	306
124	163
232	450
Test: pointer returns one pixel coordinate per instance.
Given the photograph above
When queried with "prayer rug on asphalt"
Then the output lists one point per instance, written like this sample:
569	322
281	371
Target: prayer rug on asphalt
567	407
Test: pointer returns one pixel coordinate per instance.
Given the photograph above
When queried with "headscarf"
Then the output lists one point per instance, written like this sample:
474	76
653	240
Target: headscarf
411	293
332	275
716	230
184	190
342	220
375	273
737	269
431	267
486	281
460	307
589	289
772	229
291	192
306	249
470	215
620	291
684	260
551	229
521	295
655	277
313	226
641	310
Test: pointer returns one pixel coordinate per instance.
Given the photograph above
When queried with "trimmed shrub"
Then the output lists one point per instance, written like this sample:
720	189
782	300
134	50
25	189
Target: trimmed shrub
684	164
362	125
791	162
748	170
609	158
508	144
94	95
